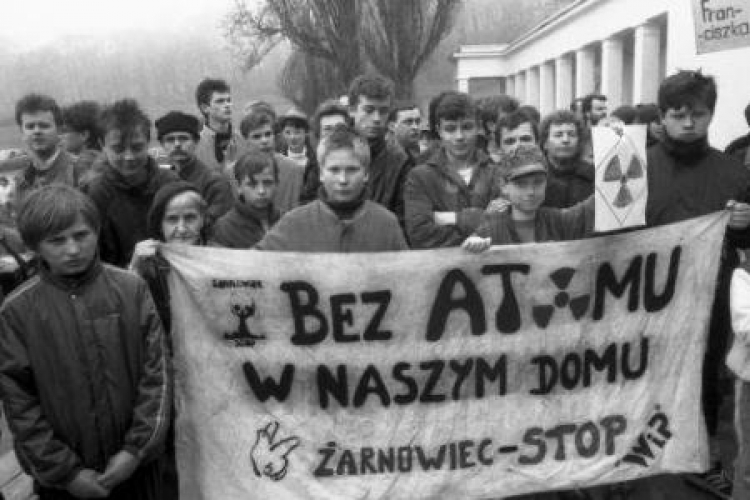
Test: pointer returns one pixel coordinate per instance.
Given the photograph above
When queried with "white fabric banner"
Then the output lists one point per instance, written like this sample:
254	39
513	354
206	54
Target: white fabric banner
441	374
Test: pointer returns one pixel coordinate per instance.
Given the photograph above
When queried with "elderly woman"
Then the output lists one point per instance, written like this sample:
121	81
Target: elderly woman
177	215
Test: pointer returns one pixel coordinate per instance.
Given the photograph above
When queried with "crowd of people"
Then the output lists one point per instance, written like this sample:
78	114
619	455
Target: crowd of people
85	348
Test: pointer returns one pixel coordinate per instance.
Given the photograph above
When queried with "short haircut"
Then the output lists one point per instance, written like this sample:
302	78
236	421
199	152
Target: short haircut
559	117
627	114
330	107
399	107
254	120
370	86
256	105
253	163
491	107
687	88
206	89
126	116
37	103
82	117
532	112
455	106
647	113
432	108
589	99
294	122
343	137
514	120
51	209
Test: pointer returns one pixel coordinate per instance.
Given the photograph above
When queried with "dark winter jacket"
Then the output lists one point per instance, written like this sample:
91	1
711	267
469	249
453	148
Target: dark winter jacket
567	187
551	224
389	167
681	187
242	226
83	374
433	187
124	210
315	227
212	186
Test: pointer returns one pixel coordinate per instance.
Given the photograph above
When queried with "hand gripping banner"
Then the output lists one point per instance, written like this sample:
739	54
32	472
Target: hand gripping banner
441	374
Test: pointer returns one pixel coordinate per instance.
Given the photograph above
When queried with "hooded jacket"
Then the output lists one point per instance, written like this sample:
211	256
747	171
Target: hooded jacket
85	376
124	210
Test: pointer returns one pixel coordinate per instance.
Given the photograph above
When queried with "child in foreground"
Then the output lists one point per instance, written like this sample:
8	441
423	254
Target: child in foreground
83	377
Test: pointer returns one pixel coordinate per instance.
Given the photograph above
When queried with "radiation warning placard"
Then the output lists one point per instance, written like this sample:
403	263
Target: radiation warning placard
621	189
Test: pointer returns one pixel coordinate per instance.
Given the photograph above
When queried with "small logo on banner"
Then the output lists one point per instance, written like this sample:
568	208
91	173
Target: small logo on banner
578	305
242	336
270	453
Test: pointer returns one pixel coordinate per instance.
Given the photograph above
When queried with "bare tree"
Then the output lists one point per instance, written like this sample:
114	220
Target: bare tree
395	37
401	35
326	29
307	80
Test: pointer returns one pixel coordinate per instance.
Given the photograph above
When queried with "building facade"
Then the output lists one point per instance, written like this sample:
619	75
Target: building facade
620	48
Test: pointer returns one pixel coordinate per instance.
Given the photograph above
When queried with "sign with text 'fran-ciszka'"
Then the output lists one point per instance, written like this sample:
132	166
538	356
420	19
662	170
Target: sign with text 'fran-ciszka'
721	24
441	374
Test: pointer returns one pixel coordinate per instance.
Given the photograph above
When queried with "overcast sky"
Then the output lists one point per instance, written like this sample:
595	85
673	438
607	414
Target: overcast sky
32	23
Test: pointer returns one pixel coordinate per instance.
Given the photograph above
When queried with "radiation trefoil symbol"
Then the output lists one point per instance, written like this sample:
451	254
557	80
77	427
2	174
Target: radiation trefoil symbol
577	305
614	173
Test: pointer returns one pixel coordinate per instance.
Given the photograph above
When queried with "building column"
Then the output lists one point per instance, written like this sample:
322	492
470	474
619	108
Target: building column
646	59
612	71
510	85
585	62
546	87
563	81
532	86
463	84
521	86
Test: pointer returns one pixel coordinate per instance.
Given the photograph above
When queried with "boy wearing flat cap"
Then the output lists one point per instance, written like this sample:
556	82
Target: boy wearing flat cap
525	220
179	134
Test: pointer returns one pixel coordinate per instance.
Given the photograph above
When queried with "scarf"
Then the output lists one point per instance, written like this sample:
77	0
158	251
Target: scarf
686	152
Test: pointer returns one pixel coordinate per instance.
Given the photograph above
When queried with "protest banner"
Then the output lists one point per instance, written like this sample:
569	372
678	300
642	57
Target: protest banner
619	176
442	374
721	24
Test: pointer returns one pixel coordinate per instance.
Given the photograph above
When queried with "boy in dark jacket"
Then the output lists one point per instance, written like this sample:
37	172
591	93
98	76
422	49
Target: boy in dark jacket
253	213
446	196
83	377
130	178
526	221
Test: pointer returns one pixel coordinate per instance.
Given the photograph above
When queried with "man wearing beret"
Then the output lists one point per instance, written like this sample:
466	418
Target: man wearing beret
179	134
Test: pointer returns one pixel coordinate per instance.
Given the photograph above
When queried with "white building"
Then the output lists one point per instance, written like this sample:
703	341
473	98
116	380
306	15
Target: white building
620	48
